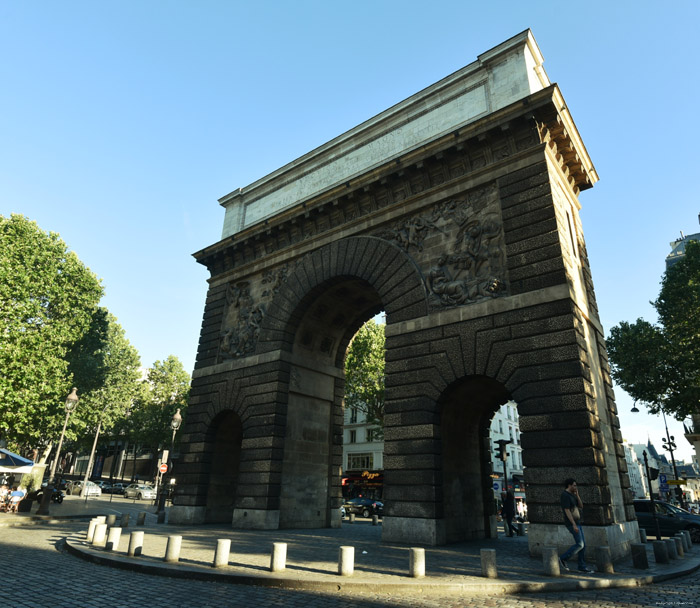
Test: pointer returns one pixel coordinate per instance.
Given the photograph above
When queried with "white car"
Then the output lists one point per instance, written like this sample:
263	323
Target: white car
74	487
140	490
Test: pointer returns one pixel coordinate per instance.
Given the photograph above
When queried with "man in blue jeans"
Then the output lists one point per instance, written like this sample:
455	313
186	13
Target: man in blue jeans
572	506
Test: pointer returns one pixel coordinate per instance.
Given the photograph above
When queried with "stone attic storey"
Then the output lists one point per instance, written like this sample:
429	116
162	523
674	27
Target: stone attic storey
456	212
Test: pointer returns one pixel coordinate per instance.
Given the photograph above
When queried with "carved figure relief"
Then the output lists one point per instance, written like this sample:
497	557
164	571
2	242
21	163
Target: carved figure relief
240	337
469	231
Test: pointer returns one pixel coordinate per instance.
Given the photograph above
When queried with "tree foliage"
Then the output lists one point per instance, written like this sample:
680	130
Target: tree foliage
660	364
364	373
106	370
166	389
47	300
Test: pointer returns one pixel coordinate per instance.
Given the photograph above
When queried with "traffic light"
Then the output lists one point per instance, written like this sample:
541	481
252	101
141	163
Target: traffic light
501	447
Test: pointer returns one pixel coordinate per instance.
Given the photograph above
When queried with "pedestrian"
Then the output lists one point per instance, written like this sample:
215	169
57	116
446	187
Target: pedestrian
509	513
572	506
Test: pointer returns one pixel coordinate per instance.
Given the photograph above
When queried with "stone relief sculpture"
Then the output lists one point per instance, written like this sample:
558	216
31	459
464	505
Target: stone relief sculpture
469	231
240	337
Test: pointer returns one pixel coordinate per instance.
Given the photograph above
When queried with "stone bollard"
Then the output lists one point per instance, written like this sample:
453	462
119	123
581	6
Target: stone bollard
91	529
660	552
113	538
642	536
679	546
346	560
124	521
686	533
521	529
161	517
278	559
101	519
351	518
375	520
135	544
223	550
550	561
172	549
639	556
671	547
684	539
603	560
111	520
488	563
141	520
100	535
416	562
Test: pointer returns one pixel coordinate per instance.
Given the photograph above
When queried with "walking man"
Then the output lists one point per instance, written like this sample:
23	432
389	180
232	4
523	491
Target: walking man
572	507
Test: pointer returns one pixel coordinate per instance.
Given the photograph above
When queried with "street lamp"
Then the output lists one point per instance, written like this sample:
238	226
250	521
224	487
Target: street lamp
83	490
174	425
71	404
668	444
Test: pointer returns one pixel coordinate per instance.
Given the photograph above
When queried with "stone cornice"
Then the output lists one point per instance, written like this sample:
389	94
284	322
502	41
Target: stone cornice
342	206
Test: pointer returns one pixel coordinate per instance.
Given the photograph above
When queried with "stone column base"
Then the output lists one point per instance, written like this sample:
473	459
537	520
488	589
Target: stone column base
413	530
256	519
180	514
618	537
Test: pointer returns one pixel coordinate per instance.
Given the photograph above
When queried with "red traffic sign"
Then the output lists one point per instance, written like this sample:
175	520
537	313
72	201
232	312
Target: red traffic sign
163	468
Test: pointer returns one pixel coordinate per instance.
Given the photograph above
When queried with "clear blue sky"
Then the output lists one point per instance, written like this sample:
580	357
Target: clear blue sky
122	123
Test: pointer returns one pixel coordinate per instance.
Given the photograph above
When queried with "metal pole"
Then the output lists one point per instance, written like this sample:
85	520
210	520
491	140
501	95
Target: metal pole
58	451
651	497
670	444
83	490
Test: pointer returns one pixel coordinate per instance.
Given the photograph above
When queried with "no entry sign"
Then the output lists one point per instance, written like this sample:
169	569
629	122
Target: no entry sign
163	468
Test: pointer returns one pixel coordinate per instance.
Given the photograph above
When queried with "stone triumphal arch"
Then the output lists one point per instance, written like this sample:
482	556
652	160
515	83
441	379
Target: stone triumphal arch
455	212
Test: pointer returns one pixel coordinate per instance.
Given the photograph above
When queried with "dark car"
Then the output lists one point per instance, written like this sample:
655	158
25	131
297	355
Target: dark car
671	519
364	507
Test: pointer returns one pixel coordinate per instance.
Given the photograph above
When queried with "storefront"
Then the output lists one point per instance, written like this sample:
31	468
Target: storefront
368	484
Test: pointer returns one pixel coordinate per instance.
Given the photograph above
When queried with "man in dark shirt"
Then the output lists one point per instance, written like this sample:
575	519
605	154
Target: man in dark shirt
571	507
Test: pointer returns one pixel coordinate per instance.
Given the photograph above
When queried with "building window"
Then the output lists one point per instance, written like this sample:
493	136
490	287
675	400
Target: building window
353	415
500	427
360	461
353	436
371	435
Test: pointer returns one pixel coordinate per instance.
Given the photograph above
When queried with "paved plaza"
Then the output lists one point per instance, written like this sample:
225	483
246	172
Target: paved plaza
42	571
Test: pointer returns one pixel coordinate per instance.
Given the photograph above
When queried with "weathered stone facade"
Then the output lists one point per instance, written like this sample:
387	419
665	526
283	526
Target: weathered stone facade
472	245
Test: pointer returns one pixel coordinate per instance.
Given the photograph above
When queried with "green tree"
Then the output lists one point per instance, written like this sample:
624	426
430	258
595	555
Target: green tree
166	389
47	300
364	373
107	370
660	364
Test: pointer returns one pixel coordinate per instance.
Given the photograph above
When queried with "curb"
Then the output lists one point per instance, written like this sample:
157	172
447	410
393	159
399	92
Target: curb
32	520
474	587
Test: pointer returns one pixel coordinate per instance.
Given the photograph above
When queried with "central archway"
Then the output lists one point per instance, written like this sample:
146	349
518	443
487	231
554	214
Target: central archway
466	409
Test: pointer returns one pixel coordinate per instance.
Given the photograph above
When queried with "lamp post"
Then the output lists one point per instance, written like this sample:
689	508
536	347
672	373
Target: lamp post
174	425
71	404
651	496
83	490
669	444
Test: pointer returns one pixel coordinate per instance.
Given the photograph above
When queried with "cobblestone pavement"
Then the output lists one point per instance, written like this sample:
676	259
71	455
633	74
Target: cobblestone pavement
41	575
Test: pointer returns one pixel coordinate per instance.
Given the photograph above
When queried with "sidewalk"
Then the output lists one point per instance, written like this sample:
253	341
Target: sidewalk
312	557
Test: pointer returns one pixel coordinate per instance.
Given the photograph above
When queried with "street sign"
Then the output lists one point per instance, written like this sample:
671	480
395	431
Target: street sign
495	486
662	478
163	468
675	482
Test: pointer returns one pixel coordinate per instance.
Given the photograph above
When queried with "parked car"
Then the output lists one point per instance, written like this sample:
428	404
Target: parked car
671	519
119	487
364	507
139	491
105	486
75	486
